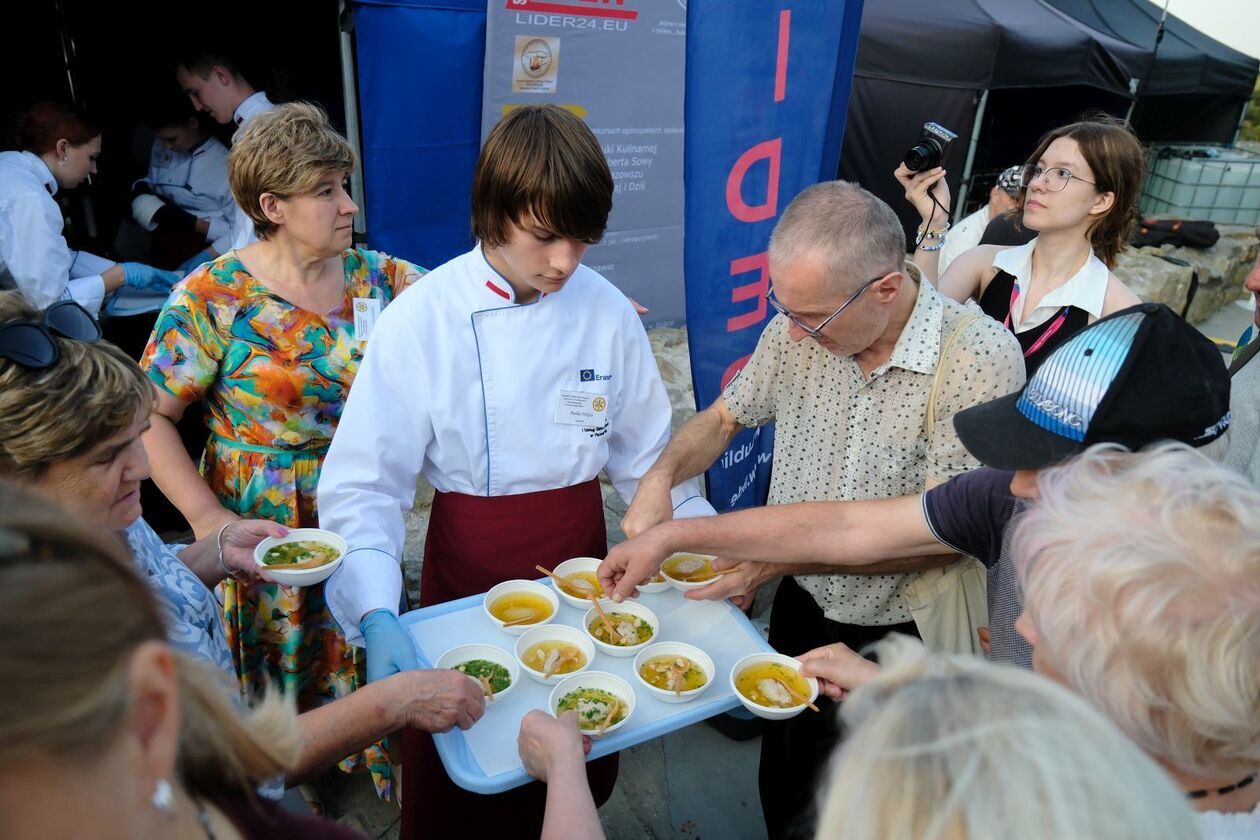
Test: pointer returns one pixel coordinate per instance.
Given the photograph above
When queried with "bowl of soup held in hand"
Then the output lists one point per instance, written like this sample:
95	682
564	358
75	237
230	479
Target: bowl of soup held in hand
493	668
770	685
554	652
686	570
603	701
674	672
623	629
580	582
302	557
517	605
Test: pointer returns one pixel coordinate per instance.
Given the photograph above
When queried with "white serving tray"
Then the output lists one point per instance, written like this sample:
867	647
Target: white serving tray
484	759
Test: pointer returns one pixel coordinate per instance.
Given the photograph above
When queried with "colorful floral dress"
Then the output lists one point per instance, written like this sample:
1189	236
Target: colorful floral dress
273	379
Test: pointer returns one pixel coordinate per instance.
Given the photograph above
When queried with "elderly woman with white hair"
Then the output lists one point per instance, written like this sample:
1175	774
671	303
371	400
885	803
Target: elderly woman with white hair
1142	581
940	748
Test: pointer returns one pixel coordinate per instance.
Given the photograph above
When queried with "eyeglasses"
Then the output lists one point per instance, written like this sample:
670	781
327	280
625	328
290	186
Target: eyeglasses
1056	180
32	343
814	331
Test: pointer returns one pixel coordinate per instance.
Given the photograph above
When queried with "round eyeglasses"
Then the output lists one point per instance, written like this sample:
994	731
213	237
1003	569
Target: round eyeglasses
1055	179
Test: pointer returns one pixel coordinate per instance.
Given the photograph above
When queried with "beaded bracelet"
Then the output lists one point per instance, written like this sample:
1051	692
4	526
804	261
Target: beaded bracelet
921	235
940	243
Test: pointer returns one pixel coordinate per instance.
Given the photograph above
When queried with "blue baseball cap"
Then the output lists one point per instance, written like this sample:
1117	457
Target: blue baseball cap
1136	377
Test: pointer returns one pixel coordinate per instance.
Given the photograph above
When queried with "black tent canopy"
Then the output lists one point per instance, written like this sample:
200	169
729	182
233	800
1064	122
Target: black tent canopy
1196	89
1001	72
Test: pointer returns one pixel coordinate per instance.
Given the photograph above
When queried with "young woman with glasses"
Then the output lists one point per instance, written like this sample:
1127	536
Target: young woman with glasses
1080	190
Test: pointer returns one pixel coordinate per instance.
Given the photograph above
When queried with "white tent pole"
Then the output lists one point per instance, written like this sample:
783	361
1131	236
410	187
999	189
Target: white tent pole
964	186
350	99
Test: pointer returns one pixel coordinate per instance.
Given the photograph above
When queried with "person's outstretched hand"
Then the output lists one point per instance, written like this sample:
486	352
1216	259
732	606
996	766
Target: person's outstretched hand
438	700
147	278
545	742
839	670
631	563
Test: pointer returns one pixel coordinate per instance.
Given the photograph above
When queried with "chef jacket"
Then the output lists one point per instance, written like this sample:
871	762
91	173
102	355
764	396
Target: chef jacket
196	182
242	232
484	396
34	256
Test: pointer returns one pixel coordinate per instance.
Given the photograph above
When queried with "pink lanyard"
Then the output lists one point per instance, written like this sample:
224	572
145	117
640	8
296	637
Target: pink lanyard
1045	336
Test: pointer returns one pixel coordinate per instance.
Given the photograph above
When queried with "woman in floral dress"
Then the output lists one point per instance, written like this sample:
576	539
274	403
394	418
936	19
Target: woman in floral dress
269	339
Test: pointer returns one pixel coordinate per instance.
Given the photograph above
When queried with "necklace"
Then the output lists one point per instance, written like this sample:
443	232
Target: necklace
1200	794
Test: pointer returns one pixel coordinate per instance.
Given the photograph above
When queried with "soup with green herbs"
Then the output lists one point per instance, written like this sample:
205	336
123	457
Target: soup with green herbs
594	707
306	553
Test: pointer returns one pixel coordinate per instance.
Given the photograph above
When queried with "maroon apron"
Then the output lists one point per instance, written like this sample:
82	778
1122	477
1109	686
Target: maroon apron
475	542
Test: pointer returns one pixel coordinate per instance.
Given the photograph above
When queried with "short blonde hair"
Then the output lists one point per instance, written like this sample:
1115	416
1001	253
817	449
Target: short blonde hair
952	747
98	385
73	610
1142	581
285	152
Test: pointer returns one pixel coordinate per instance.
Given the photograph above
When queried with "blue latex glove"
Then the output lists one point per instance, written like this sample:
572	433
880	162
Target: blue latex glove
148	278
390	648
187	266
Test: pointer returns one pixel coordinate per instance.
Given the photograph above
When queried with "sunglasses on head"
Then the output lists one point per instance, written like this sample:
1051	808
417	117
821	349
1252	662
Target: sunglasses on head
32	344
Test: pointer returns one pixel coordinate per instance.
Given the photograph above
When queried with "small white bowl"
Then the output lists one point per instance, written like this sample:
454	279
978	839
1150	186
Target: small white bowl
649	586
510	586
601	680
302	577
497	655
772	712
554	633
675	649
635	609
568	567
682	584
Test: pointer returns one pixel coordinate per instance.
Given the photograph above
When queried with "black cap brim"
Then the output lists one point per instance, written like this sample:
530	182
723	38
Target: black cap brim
1000	437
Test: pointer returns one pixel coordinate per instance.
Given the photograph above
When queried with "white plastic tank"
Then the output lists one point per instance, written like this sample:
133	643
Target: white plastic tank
1214	183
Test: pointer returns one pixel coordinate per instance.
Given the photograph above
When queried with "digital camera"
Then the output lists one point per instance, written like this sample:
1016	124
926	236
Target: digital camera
929	150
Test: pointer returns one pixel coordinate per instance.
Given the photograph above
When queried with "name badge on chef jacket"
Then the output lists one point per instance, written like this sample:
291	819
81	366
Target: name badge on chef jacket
581	408
366	311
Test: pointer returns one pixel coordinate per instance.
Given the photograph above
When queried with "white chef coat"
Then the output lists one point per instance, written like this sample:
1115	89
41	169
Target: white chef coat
483	397
242	233
34	256
196	182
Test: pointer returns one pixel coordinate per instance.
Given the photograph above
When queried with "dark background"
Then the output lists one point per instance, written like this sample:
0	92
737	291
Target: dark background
123	56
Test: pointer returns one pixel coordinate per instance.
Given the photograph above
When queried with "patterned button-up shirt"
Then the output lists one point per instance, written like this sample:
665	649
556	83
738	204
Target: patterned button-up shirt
842	435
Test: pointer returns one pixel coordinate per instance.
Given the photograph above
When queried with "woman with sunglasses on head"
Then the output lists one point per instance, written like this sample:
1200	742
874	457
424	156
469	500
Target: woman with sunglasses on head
54	367
57	149
1080	191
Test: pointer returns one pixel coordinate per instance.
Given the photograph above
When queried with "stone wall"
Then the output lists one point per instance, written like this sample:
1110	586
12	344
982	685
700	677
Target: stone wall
1221	271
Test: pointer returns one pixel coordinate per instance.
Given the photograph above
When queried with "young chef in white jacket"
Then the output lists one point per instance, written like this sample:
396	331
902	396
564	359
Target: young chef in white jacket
58	147
510	377
214	83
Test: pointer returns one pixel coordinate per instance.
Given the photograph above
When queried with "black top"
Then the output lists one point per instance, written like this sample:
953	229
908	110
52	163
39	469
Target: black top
1005	229
996	303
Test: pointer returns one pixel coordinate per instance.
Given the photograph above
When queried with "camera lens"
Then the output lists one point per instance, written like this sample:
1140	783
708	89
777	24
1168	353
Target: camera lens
922	156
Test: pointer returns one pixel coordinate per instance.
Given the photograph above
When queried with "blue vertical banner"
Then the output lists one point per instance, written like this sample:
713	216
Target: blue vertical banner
419	66
767	88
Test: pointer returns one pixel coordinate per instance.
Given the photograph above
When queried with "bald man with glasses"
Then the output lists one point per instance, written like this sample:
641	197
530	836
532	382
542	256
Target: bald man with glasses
847	371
